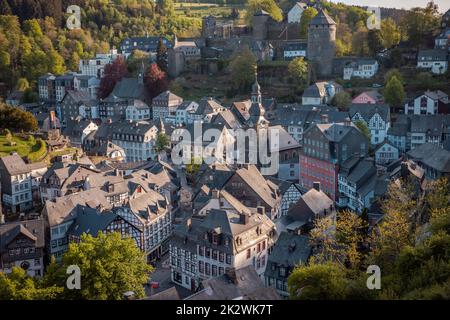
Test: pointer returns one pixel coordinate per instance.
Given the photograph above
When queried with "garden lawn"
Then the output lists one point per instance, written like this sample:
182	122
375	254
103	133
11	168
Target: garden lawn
22	147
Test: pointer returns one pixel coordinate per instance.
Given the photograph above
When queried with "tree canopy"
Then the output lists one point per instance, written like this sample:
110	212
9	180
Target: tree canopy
270	6
242	68
109	265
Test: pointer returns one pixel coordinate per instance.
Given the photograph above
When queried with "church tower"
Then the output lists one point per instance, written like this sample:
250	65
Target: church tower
256	110
322	43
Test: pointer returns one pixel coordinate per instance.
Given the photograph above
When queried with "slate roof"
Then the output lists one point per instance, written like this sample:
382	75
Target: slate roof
80	97
33	229
432	55
14	164
266	189
367	111
434	124
322	18
290	250
335	132
62	209
130	88
90	221
432	156
312	202
167	96
243	284
318	89
286	141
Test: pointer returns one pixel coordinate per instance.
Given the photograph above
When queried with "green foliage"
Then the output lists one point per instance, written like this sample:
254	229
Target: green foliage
307	16
419	24
19	286
414	257
374	41
161	56
390	33
162	142
394	93
342	100
22	84
110	266
40	151
16	119
242	69
361	125
270	6
325	281
392	73
298	70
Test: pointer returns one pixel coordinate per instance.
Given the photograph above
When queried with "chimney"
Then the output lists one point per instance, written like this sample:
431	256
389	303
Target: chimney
215	194
347	121
316	185
109	121
324	118
2	218
261	210
189	223
243	218
231	274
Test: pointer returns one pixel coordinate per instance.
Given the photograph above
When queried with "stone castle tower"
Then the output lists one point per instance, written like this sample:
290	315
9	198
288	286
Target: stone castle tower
322	43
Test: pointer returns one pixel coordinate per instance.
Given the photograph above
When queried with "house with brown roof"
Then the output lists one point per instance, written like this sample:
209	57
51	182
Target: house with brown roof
22	245
250	187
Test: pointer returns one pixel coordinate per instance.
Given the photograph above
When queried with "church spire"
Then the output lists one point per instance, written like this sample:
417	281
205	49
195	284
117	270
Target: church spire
256	88
141	73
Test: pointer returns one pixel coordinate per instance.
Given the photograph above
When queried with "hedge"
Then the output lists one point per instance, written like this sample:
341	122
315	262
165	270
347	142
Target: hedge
40	153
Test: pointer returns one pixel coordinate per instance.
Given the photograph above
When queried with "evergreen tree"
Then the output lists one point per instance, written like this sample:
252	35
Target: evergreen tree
161	56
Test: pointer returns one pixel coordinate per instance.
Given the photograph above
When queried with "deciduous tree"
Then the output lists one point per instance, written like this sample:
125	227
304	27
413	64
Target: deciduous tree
114	72
156	80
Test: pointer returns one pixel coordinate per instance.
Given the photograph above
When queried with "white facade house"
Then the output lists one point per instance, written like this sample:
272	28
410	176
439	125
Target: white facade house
165	105
188	48
16	184
137	139
205	248
375	116
435	60
386	153
427	103
356	183
320	93
294	50
296	12
137	111
361	68
183	110
95	67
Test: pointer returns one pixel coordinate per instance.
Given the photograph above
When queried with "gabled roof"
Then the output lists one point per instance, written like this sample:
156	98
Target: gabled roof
336	132
432	156
14	164
311	204
241	284
90	221
368	110
290	250
322	18
130	88
167	96
265	189
32	229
